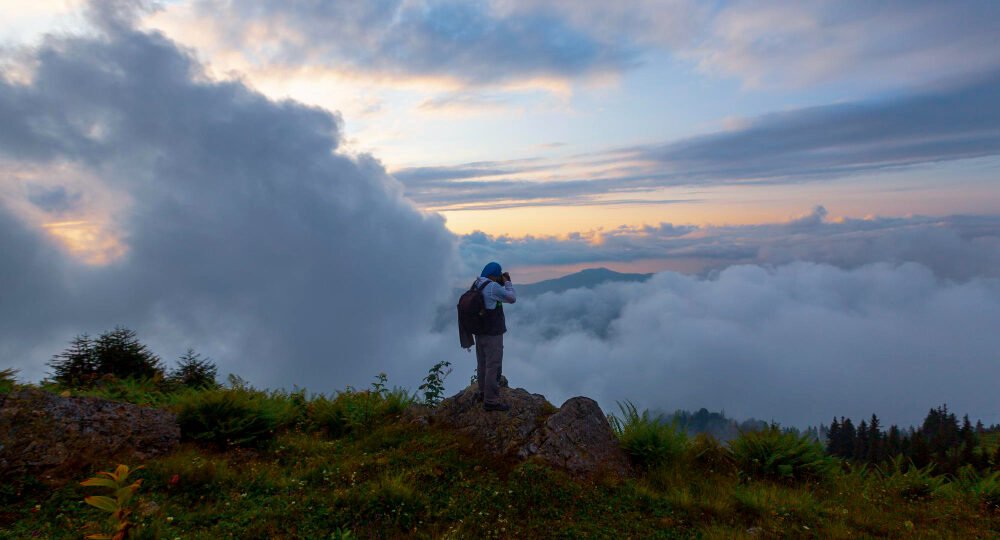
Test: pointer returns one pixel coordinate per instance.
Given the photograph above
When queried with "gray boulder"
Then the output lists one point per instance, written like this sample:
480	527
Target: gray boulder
55	438
575	437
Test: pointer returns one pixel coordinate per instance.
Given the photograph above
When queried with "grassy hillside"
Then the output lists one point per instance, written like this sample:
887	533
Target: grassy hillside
277	465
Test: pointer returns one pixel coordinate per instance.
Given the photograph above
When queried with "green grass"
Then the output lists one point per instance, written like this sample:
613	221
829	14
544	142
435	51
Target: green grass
379	476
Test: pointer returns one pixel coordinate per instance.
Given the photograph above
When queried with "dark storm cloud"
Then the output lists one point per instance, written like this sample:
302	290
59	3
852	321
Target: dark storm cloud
954	247
468	41
248	236
815	144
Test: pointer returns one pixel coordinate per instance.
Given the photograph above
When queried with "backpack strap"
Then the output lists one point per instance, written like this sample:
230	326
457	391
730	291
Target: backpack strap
485	283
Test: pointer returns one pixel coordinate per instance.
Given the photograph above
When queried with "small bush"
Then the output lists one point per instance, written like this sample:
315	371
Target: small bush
8	380
649	441
708	454
987	491
776	455
149	392
354	411
231	417
909	481
327	416
433	385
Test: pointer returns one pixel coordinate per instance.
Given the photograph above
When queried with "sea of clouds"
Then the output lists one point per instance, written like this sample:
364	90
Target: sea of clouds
237	226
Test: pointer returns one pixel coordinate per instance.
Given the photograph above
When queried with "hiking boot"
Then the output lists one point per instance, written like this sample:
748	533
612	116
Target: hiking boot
496	407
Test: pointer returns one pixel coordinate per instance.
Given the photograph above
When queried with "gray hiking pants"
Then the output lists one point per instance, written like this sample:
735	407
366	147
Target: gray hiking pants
489	364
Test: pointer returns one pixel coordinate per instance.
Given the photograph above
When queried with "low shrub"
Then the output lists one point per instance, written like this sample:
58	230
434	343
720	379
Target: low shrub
902	477
708	454
354	411
776	455
983	487
232	417
153	392
649	441
986	489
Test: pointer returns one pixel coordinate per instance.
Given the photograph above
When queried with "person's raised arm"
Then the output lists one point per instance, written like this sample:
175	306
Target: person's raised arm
508	295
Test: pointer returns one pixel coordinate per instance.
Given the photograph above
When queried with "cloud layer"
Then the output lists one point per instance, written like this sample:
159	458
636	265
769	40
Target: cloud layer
806	145
475	42
954	248
799	343
245	234
496	41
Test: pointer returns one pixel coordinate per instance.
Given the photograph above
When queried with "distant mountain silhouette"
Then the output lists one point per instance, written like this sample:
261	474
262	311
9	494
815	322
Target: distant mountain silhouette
586	279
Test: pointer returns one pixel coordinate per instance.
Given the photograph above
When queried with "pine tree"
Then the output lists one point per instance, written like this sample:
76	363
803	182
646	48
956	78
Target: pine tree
194	372
847	438
120	353
833	438
861	442
919	451
969	443
77	365
893	443
874	451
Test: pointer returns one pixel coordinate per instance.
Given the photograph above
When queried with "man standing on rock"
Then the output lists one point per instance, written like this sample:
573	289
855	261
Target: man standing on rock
496	289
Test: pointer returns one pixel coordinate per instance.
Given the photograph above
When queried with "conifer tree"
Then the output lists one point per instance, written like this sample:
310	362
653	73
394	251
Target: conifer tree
874	450
77	365
833	438
861	442
969	442
847	437
893	443
120	353
919	450
195	372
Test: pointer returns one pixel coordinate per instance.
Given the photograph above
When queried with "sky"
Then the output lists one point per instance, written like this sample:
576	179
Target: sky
295	189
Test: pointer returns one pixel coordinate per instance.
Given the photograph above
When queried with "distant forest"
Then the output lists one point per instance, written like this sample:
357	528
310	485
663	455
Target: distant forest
941	440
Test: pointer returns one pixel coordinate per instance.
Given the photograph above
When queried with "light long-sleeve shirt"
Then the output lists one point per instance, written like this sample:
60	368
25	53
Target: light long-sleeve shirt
495	294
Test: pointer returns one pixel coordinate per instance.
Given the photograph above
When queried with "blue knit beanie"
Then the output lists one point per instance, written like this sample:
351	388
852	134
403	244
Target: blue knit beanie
492	269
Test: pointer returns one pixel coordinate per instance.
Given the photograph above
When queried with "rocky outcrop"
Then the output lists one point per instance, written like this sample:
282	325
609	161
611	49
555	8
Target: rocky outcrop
575	437
53	437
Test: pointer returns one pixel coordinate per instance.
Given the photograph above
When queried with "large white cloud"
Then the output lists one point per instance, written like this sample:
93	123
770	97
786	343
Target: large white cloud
798	343
244	232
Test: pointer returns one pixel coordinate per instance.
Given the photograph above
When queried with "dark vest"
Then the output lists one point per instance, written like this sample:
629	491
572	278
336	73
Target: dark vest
494	323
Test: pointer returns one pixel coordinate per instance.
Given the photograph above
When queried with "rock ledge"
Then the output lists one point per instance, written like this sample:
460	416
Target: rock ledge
575	437
53	437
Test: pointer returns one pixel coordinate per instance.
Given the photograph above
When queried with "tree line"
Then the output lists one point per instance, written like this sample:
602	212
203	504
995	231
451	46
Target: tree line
119	354
941	440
